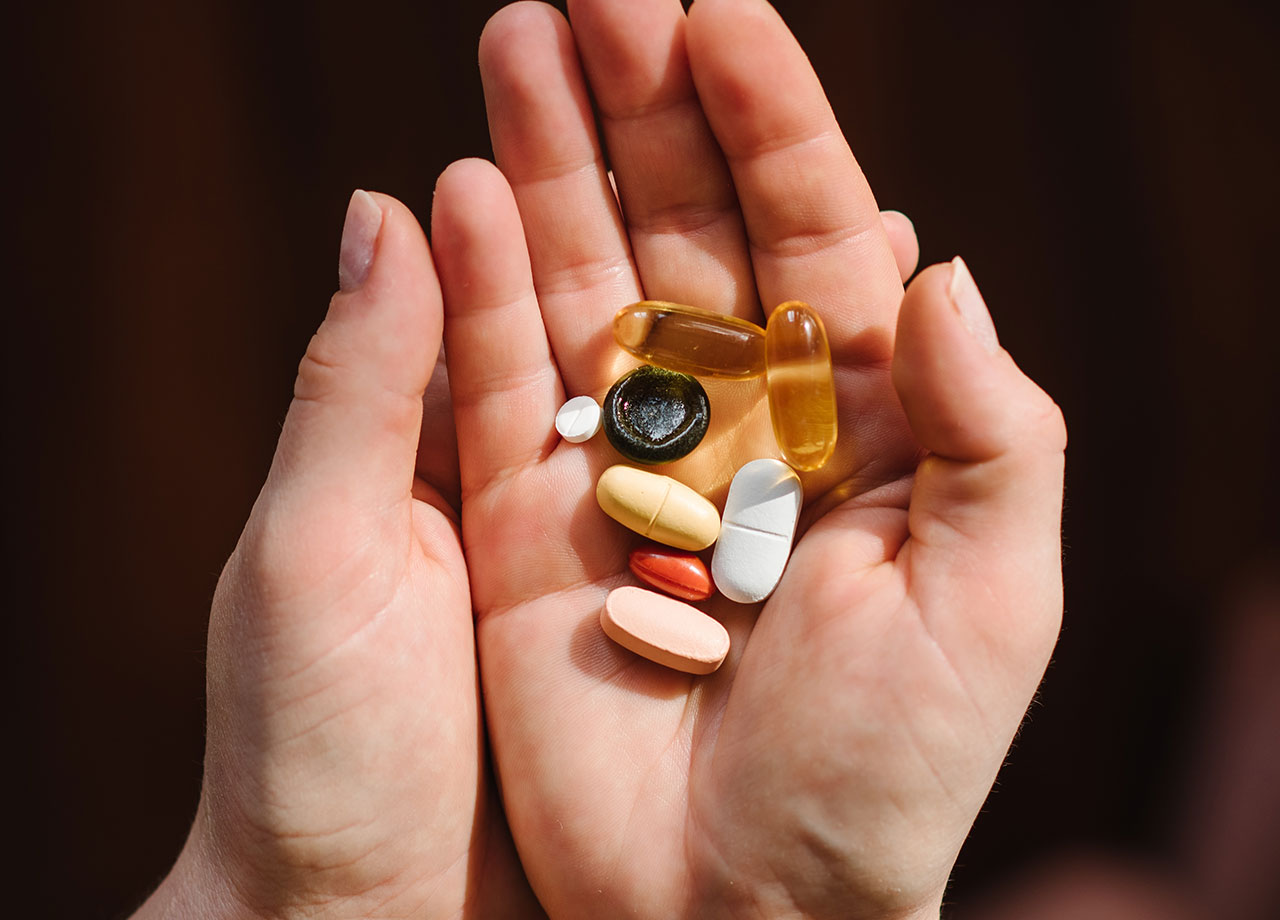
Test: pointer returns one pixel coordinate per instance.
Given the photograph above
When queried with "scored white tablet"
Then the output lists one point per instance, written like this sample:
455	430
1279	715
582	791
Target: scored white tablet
756	529
579	419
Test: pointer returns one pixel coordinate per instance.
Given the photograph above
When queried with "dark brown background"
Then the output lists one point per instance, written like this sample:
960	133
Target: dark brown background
1107	169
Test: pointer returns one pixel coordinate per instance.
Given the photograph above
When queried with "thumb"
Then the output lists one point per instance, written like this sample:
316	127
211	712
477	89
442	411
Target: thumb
986	502
347	449
357	401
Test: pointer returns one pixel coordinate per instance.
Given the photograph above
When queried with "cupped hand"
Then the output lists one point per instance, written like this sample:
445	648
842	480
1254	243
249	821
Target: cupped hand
834	764
345	769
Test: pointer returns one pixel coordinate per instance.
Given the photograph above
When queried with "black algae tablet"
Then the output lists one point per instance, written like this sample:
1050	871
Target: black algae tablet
653	415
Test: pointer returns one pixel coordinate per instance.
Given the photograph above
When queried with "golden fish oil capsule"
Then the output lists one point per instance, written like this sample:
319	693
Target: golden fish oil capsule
802	393
690	340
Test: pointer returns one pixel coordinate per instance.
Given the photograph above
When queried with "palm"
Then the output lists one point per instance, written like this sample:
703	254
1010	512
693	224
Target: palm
841	729
604	753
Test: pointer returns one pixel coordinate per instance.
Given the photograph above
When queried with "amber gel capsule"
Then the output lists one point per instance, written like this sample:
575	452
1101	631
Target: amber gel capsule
802	393
690	340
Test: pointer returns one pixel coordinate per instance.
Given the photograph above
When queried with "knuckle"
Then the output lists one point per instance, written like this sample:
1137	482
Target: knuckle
1046	423
303	553
321	370
1032	420
274	565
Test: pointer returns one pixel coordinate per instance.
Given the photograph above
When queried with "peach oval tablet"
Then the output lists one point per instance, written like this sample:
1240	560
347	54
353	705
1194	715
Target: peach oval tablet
658	507
664	630
760	515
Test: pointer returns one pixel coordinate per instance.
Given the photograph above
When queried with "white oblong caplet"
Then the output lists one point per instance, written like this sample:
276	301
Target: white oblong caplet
756	530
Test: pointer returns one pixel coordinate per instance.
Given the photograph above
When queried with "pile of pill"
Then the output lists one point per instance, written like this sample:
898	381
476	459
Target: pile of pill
659	413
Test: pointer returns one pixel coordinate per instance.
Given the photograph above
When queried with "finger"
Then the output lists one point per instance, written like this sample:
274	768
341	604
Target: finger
353	426
986	504
501	373
813	224
437	464
544	141
677	196
903	241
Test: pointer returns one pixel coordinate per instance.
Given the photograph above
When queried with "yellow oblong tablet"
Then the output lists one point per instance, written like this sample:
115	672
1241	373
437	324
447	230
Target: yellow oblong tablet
658	507
664	630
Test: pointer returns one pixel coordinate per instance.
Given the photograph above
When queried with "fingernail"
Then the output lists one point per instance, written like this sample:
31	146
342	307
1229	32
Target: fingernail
359	235
910	222
971	307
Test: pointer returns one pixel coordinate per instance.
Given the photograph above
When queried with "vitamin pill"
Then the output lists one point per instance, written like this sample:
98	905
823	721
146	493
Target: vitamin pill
658	507
690	340
676	572
760	516
653	415
802	393
579	419
664	630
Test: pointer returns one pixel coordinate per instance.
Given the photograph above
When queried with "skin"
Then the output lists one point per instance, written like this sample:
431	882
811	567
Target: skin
833	766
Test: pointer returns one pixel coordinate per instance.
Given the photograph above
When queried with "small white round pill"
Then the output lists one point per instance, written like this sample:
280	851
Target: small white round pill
579	419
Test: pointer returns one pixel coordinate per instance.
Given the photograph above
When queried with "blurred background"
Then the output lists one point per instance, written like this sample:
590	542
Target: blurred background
1107	169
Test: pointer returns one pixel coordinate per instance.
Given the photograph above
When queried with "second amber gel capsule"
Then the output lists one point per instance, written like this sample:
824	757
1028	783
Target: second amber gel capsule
690	340
802	393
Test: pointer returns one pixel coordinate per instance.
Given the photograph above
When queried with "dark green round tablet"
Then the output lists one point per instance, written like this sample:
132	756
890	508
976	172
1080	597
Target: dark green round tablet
653	415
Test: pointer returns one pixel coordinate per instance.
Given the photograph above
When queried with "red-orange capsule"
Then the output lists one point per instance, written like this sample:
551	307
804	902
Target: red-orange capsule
672	570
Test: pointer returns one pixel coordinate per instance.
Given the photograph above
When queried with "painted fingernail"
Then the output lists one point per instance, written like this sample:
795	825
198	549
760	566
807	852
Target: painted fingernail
359	235
971	307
